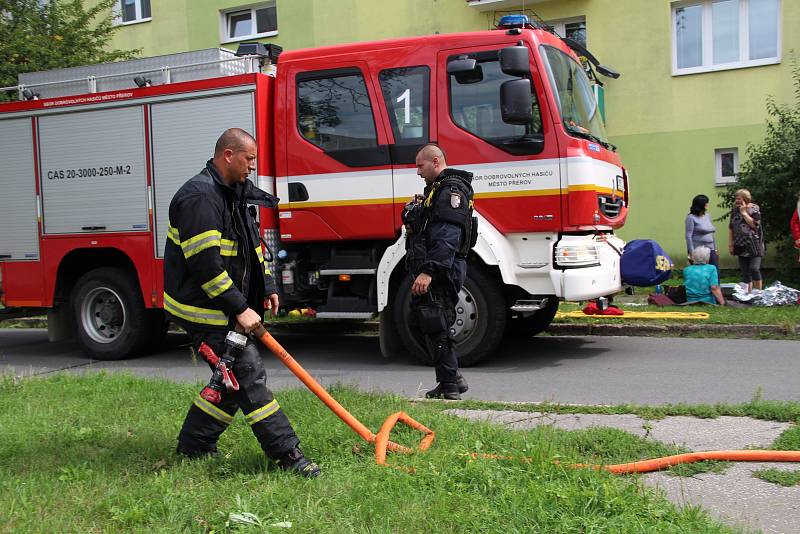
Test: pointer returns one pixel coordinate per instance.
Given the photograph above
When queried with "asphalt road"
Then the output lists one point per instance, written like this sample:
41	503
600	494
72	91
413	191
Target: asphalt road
585	370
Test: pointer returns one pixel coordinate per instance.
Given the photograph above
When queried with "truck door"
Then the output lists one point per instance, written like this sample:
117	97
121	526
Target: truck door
517	181
406	95
338	173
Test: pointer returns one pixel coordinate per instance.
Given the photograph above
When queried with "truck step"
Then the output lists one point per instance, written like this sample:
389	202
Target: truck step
345	315
328	272
528	305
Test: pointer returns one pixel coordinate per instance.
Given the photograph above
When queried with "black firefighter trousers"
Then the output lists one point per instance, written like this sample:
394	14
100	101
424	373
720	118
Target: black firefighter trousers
205	422
432	314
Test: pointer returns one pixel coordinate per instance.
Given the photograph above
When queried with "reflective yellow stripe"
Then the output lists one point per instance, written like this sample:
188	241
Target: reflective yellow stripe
213	411
173	235
200	242
266	270
193	313
262	413
260	254
217	285
228	247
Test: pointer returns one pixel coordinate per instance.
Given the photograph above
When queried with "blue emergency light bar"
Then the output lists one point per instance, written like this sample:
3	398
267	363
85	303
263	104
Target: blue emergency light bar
514	21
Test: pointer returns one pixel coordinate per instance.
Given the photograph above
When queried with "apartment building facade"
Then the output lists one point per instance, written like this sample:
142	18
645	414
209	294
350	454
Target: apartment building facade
695	73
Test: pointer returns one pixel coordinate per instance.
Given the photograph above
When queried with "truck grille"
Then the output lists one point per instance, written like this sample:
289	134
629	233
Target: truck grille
609	207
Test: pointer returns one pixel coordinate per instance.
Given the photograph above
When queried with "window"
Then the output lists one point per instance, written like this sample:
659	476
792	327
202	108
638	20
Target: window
406	93
714	35
577	103
248	23
574	29
132	11
334	113
727	165
475	106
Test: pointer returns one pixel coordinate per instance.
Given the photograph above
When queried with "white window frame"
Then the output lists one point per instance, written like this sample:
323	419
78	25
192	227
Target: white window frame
560	26
138	20
224	28
708	41
718	178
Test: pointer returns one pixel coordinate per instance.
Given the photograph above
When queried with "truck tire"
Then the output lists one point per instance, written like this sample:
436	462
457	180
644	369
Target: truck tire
536	323
391	343
112	322
480	318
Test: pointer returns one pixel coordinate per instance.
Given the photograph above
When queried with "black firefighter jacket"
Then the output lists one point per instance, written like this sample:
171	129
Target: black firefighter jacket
214	266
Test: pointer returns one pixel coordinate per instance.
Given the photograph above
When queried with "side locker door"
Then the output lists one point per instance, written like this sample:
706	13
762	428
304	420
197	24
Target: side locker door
19	238
93	169
516	182
183	136
339	178
406	93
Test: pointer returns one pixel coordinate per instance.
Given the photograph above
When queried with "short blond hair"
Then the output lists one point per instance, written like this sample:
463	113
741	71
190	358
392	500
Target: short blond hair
744	193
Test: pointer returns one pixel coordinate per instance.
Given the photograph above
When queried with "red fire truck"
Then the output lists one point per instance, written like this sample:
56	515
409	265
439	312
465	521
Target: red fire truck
89	169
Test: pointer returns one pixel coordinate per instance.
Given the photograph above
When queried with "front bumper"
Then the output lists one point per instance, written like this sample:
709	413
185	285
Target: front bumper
584	283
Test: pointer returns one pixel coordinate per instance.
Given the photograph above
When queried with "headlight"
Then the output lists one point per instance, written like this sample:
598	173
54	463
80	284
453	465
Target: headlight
577	255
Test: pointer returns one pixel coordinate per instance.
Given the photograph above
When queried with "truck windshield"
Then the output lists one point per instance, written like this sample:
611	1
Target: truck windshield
580	113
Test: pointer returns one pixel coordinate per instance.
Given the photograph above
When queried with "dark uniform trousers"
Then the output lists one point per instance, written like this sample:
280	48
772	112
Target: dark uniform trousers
205	422
432	315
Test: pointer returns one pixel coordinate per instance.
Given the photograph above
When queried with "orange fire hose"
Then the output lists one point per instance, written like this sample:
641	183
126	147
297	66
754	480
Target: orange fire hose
382	442
657	464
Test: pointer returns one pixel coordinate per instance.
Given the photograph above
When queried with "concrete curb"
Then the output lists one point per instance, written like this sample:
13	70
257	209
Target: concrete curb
744	331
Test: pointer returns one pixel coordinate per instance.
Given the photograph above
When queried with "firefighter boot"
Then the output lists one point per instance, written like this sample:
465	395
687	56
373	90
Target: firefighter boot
192	454
436	392
449	391
295	461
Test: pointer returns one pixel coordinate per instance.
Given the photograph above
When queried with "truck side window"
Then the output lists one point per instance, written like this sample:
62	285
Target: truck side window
475	105
335	114
407	97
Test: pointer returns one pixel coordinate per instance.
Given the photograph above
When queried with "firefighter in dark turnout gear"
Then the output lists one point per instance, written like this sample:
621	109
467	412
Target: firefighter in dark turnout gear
440	231
216	280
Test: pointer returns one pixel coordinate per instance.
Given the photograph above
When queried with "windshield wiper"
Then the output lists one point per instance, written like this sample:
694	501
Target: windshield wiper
587	135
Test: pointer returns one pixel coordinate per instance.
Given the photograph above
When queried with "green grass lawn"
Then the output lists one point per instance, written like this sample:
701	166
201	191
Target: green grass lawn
95	454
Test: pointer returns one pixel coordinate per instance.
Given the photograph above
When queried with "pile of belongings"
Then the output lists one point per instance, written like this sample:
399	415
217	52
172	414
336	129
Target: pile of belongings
775	294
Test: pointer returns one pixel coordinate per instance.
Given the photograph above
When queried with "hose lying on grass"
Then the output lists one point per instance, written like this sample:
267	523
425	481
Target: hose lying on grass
382	442
683	316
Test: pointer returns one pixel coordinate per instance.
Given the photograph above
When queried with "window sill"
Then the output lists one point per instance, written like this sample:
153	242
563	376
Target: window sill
249	37
726	66
722	182
132	22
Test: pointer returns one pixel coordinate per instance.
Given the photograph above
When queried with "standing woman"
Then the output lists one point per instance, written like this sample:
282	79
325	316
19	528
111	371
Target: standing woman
794	226
700	230
746	238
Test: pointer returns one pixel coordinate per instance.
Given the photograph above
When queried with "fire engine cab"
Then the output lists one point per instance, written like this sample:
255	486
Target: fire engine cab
91	162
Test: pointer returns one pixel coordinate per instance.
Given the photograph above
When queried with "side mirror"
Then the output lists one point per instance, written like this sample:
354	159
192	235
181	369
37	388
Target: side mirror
515	61
515	102
462	64
465	70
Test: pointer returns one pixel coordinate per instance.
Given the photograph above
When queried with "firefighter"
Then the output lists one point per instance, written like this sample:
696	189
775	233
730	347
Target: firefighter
216	280
440	231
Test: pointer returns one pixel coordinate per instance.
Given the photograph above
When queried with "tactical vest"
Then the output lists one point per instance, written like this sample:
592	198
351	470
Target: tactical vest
449	200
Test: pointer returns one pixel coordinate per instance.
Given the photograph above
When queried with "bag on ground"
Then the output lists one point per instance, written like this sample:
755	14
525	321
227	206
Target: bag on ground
644	263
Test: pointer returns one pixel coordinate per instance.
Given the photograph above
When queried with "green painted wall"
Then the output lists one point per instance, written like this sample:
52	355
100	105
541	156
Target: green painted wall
666	126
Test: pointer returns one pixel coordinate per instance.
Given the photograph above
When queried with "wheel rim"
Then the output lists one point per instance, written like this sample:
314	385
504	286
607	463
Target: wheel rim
102	315
466	317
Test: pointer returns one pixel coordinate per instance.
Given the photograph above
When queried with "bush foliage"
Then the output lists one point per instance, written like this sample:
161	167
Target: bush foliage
37	36
771	172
